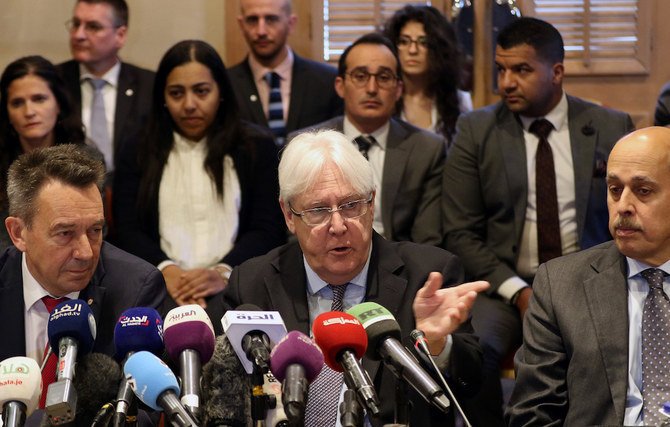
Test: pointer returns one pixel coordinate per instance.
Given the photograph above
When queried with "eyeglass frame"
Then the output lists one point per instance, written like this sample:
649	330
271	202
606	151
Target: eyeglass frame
70	26
407	42
390	84
331	211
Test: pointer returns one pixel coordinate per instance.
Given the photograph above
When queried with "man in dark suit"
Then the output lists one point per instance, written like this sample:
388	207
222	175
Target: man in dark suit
407	161
327	197
587	349
56	219
305	87
496	212
98	31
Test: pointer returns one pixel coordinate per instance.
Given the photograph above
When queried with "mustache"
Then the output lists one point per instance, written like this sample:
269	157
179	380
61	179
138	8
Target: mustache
628	223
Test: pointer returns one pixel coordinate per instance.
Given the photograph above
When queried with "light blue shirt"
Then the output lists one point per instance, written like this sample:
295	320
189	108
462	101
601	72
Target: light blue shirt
637	293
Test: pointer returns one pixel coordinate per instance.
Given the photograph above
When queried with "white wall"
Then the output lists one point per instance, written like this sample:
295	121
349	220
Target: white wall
37	27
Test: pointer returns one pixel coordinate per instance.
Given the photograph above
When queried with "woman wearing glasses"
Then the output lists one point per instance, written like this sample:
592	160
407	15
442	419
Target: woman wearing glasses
431	67
35	112
200	194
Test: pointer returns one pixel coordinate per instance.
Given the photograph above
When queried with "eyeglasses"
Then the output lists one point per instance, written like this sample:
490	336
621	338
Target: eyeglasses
90	27
320	216
385	79
404	42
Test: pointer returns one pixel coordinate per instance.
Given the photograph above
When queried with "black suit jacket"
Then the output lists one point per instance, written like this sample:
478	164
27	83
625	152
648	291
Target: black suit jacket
277	281
313	96
120	281
261	223
133	100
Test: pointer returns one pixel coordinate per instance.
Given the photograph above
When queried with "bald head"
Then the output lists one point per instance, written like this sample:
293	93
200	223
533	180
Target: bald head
638	195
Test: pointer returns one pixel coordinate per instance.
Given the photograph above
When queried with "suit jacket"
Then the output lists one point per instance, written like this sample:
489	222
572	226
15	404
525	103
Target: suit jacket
313	96
572	369
662	112
133	100
277	281
486	184
411	182
120	281
261	224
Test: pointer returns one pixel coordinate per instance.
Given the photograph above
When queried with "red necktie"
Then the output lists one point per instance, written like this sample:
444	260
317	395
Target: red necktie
49	370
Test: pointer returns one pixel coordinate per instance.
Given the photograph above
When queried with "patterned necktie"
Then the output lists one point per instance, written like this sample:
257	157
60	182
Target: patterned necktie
655	347
276	108
99	131
324	392
364	143
49	369
546	199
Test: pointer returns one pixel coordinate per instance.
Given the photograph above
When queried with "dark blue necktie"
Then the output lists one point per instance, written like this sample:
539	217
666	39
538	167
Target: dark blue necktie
275	108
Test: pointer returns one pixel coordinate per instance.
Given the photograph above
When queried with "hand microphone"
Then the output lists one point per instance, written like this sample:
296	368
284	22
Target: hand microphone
383	337
252	333
344	341
155	385
97	381
189	339
20	389
71	331
276	416
225	388
351	412
296	361
138	329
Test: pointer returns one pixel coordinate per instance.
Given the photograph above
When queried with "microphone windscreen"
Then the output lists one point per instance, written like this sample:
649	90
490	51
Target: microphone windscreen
379	324
74	319
20	381
297	348
97	382
226	388
138	329
149	377
188	328
335	331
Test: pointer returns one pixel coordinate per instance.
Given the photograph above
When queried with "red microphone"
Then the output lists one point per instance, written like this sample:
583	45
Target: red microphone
343	341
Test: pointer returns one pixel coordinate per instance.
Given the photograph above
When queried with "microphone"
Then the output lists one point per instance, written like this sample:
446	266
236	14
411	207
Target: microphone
155	385
351	412
20	389
383	336
225	388
276	416
97	381
189	340
138	329
296	361
71	330
344	341
251	332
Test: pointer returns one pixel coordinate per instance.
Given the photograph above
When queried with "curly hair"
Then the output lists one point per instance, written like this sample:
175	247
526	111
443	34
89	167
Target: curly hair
68	128
444	60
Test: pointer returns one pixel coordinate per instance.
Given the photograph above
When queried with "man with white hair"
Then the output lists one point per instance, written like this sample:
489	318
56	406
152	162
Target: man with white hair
327	197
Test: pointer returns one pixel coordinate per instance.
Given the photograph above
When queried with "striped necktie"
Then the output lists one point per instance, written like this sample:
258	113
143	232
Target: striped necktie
324	392
276	108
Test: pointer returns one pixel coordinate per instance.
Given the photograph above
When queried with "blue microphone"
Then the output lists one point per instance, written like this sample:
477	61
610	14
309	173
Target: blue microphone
155	385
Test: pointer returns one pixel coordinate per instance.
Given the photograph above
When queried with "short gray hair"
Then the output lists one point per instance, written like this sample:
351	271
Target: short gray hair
307	155
66	163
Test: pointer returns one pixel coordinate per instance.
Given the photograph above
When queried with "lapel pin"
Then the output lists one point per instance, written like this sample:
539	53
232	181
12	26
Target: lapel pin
90	301
253	98
129	92
588	130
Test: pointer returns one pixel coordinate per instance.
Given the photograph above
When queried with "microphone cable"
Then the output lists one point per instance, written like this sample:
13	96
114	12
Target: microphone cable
421	346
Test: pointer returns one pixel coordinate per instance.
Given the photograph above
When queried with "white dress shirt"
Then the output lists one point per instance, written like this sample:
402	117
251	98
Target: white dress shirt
196	226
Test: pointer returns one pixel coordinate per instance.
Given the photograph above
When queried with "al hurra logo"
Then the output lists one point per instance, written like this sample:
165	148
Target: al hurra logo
128	321
65	311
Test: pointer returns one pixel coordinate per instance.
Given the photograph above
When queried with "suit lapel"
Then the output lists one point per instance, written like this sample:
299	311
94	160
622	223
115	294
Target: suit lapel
125	95
512	145
395	162
286	290
297	93
94	293
249	94
583	147
607	298
12	307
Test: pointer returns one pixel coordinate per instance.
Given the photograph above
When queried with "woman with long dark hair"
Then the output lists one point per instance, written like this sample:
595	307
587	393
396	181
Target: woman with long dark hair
431	67
35	112
198	195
